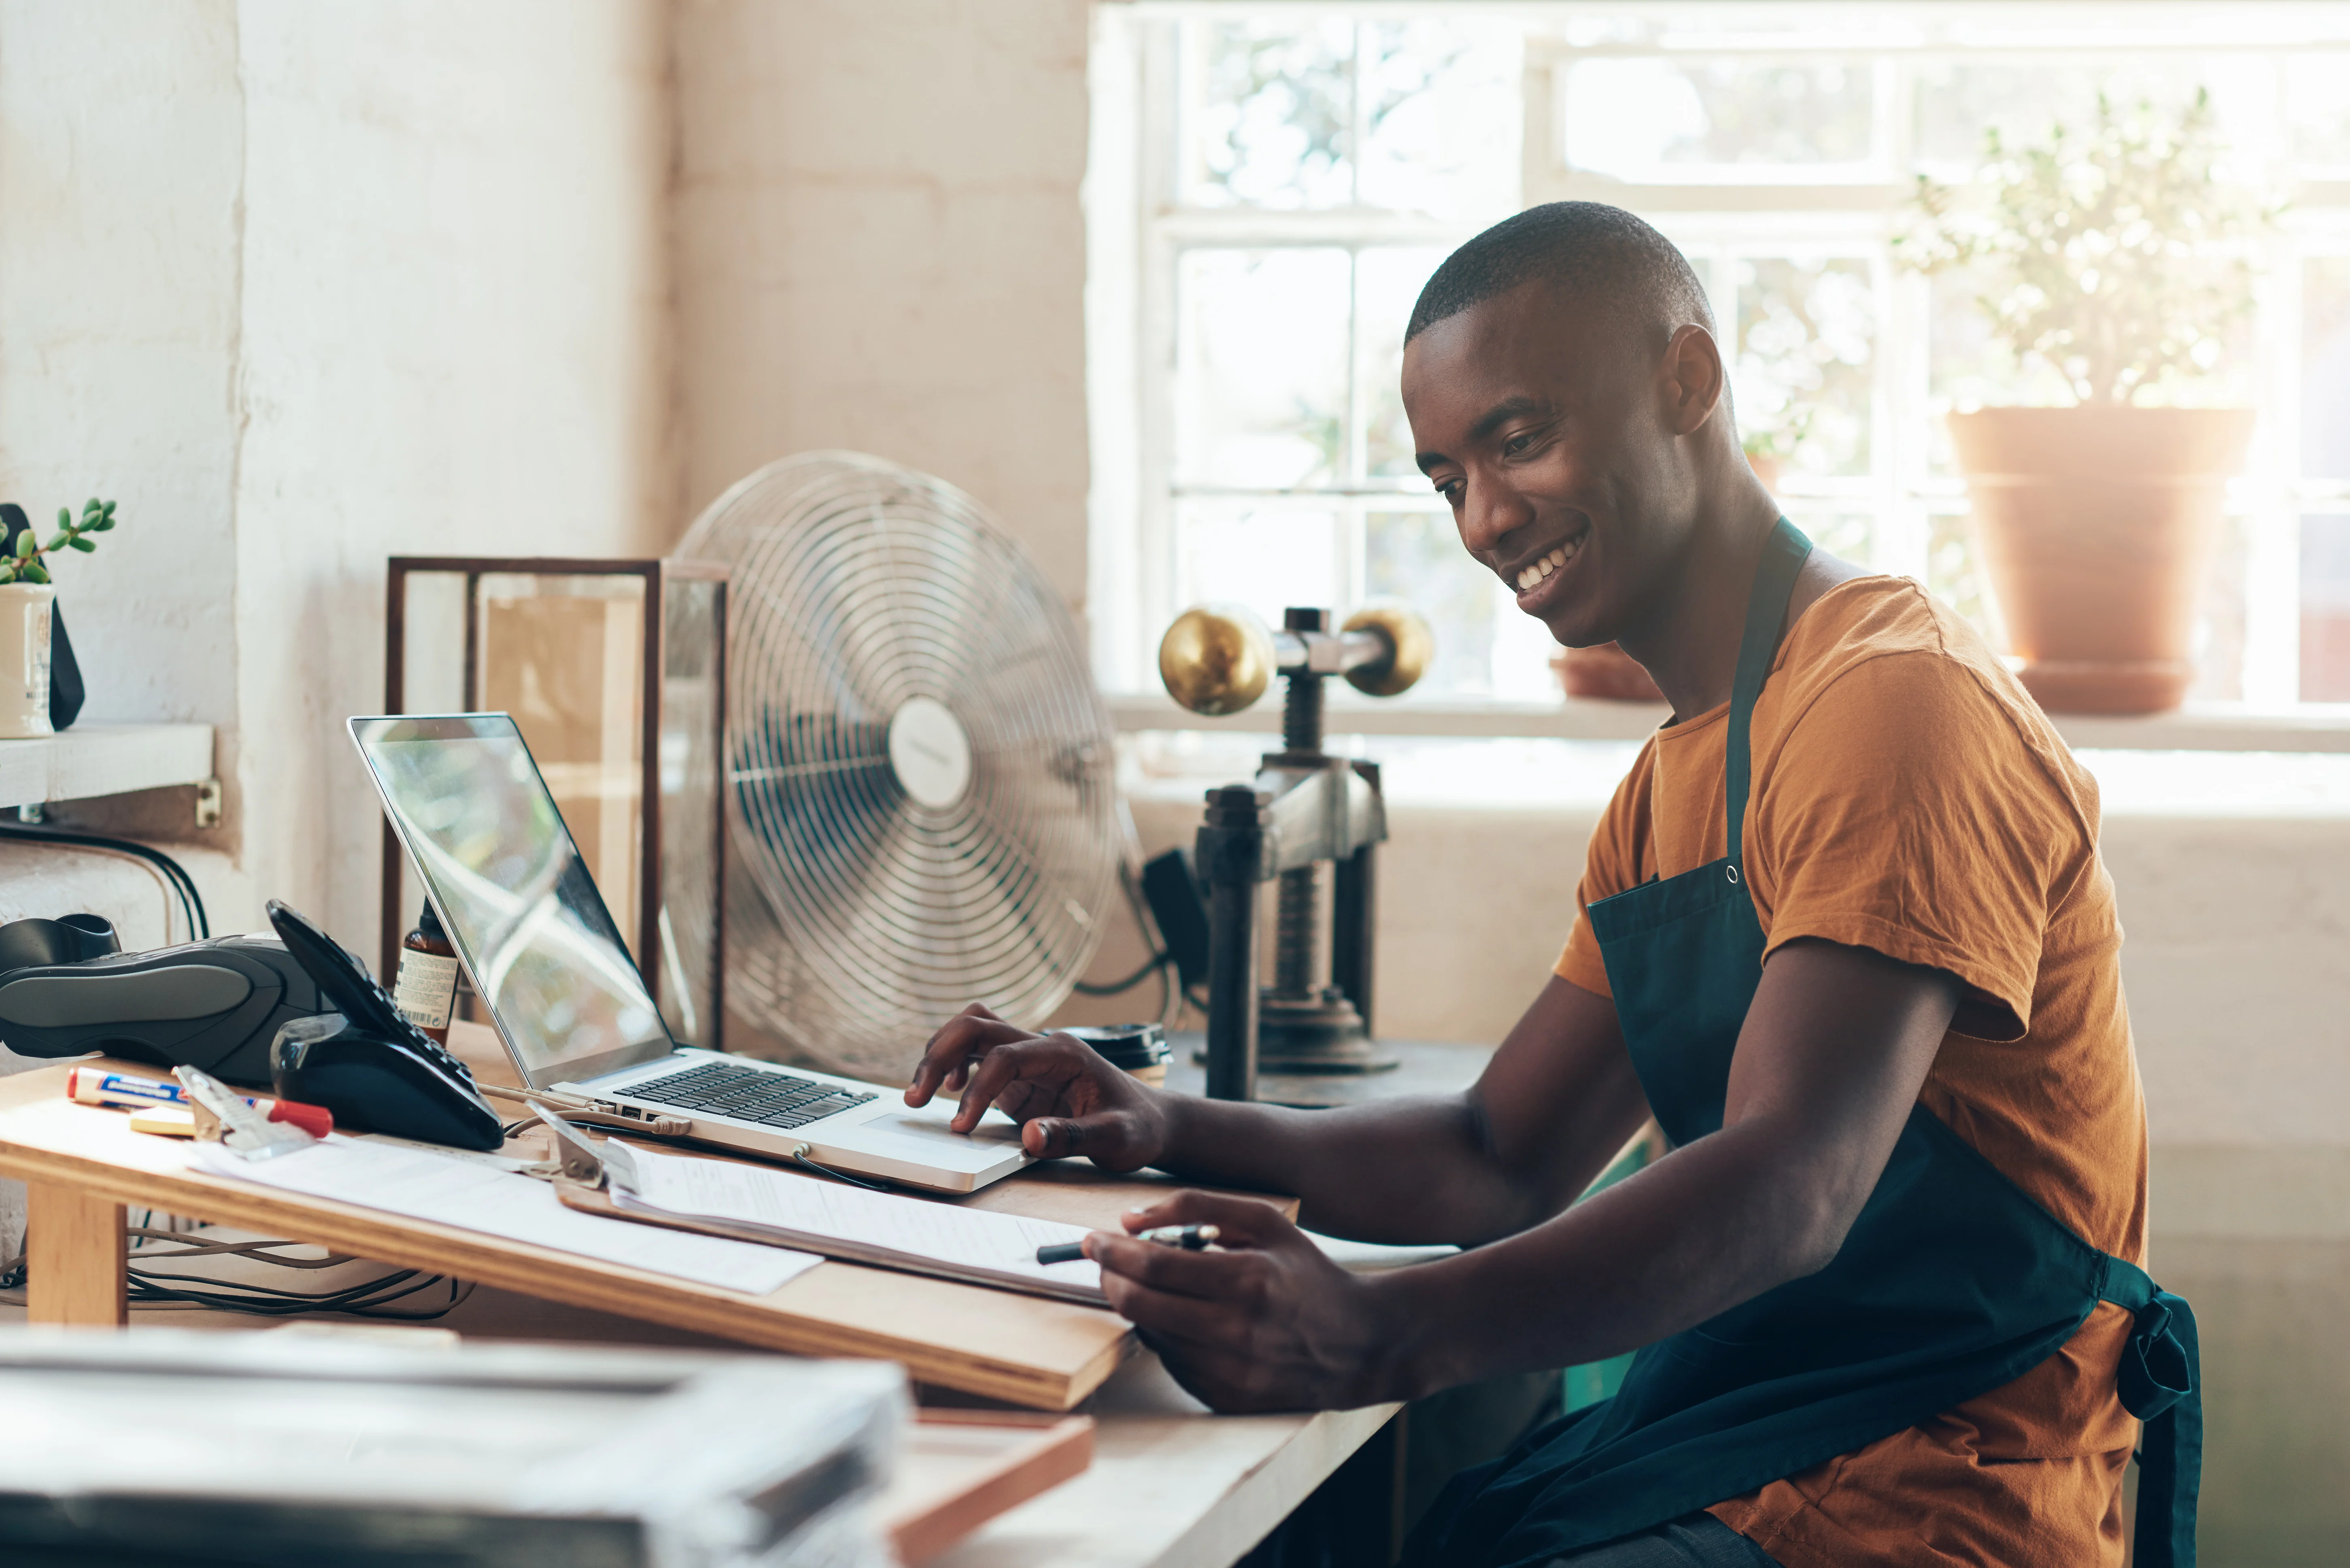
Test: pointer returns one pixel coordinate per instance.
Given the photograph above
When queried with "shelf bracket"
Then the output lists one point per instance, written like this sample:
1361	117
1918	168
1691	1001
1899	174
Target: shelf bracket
208	801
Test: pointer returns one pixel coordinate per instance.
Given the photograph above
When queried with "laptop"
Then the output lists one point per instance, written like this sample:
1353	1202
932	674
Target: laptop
467	799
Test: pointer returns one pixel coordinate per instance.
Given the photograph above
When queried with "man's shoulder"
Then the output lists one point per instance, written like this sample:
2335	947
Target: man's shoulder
1879	671
1915	657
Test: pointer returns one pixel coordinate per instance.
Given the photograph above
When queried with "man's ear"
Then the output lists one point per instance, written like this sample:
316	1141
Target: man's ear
1692	379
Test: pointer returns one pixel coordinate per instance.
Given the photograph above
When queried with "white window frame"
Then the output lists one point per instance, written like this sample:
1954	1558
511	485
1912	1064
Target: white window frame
1138	232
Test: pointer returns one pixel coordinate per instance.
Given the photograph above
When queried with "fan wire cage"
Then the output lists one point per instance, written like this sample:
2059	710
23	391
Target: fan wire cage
920	772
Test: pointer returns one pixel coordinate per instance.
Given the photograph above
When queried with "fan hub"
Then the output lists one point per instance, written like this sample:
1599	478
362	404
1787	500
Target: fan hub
930	751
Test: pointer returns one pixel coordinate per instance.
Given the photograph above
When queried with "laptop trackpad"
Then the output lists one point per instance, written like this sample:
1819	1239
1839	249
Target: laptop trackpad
910	1136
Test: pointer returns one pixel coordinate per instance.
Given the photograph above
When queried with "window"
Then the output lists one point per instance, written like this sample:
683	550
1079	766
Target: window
1273	184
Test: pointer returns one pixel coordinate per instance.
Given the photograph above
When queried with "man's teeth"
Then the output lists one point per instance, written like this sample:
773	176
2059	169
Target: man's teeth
1547	564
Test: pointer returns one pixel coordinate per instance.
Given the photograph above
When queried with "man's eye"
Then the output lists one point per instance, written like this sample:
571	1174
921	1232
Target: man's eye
1516	445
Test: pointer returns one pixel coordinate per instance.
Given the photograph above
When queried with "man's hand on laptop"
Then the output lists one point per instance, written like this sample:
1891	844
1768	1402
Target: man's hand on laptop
1065	1097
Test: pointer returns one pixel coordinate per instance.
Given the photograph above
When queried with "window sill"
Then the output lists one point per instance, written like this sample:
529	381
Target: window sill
2199	727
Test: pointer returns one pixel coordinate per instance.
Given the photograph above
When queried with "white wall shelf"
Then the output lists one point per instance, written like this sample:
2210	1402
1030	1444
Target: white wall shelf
2215	727
103	759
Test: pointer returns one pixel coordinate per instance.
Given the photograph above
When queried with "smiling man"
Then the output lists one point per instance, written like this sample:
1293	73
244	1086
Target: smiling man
1843	932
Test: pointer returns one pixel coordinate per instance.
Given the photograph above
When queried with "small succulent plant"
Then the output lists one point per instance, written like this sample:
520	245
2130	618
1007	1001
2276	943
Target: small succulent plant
28	562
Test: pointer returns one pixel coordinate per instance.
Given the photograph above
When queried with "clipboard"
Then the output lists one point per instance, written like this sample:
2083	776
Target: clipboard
881	1231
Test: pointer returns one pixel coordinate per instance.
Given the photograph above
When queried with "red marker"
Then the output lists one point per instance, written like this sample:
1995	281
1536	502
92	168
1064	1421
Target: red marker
93	1087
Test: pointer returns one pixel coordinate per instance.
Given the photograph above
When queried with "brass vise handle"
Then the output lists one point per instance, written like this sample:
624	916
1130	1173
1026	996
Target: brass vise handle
1219	657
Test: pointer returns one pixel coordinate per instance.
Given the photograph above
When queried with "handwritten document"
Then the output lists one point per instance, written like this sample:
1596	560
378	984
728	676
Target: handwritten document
913	1233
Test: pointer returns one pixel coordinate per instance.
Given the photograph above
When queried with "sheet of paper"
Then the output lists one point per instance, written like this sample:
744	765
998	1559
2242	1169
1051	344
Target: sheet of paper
425	1184
970	1238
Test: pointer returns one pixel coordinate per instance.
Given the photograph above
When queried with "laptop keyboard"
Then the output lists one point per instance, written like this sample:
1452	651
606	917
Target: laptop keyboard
763	1094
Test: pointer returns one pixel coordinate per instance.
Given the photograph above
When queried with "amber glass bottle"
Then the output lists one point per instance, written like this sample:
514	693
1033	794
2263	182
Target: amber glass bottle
426	990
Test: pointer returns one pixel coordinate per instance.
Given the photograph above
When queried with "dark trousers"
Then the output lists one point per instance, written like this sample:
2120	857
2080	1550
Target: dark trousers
1696	1541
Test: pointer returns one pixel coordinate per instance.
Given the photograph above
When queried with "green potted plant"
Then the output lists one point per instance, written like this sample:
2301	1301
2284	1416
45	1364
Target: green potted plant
27	607
2119	261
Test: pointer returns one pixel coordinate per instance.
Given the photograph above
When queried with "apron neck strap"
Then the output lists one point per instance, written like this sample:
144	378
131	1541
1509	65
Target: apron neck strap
1783	555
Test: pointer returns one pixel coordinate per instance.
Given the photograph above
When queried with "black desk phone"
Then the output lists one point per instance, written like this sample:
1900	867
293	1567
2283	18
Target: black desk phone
366	1063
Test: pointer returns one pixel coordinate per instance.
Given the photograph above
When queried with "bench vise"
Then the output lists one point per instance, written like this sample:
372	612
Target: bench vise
1302	809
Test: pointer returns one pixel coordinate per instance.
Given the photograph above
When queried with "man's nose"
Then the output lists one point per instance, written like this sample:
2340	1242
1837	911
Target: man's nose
1490	514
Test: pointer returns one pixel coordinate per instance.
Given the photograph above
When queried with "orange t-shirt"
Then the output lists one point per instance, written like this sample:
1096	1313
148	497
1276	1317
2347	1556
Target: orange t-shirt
1908	797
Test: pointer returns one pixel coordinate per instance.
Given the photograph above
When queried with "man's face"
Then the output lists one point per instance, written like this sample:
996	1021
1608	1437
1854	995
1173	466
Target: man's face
1545	427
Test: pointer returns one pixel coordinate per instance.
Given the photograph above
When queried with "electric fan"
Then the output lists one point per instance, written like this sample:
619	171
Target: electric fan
920	772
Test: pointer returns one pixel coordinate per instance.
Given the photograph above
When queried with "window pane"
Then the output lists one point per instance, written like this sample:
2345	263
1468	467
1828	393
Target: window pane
1443	132
2325	609
2317	107
2325	367
1388	284
1661	120
1851	535
1417	556
1805	331
1959	103
1261	368
1272	124
1953	576
2220	630
1266	557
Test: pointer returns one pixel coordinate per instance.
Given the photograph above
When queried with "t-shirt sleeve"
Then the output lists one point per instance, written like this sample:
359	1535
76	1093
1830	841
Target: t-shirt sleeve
1904	814
1610	864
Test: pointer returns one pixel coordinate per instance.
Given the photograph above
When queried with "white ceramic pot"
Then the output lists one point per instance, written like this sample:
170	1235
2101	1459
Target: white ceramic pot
25	659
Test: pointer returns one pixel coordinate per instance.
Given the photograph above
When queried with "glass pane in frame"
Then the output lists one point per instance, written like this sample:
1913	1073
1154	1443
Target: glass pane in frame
1262	366
1266	556
1273	117
1417	556
1654	119
1442	117
1805	377
2325	367
2325	609
566	656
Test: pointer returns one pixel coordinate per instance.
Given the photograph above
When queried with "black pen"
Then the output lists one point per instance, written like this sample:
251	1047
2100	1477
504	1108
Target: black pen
1191	1238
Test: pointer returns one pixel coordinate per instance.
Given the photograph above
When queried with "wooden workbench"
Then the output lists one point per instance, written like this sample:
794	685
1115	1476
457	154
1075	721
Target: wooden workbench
1171	1487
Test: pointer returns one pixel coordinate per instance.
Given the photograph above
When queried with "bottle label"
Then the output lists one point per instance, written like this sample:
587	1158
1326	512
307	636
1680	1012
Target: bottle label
426	990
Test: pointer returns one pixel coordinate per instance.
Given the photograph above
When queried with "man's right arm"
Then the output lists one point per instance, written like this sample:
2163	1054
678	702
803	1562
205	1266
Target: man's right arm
1556	1103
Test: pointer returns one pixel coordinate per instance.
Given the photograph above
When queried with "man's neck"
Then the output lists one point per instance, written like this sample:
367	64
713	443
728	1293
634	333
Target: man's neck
1688	640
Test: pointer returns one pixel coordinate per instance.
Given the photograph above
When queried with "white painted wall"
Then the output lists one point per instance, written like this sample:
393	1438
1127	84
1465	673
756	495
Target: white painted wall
455	303
305	286
880	245
121	165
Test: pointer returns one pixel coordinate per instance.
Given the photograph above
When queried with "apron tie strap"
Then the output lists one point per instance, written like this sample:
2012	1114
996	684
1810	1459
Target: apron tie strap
2160	1383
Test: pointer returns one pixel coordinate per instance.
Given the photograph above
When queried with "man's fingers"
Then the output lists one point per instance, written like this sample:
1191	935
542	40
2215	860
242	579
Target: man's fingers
1207	1275
946	1059
1183	1318
1055	1137
1024	1057
1239	1222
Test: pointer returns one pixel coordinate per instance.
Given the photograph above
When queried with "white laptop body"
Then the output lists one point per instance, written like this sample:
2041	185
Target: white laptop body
540	948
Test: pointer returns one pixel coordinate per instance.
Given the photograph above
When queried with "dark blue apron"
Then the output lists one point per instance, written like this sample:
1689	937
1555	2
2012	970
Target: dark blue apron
1952	1282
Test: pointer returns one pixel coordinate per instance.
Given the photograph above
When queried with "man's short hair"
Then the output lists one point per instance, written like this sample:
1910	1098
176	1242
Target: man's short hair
1588	248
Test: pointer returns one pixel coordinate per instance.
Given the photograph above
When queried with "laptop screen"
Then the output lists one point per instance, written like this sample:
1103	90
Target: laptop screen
512	894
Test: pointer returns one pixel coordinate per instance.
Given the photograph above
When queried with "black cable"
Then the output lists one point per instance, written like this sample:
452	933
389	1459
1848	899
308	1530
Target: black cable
191	903
1117	988
1160	958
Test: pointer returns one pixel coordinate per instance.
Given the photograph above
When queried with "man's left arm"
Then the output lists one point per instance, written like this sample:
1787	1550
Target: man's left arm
1830	1061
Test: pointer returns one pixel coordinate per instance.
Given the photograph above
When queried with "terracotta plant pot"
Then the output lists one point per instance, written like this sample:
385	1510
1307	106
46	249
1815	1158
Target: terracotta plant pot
1605	671
2096	526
